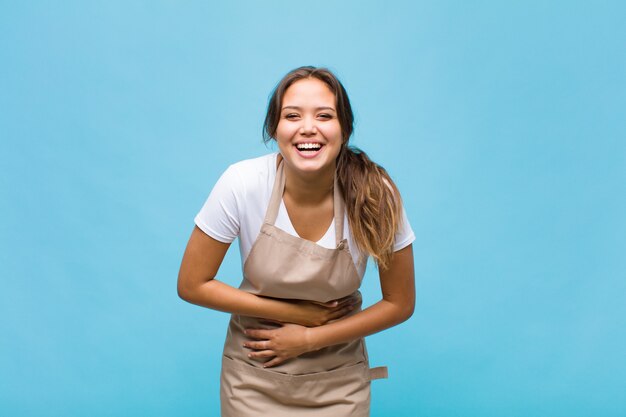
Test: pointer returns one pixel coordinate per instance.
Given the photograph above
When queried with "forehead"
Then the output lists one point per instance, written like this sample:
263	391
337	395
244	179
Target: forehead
309	90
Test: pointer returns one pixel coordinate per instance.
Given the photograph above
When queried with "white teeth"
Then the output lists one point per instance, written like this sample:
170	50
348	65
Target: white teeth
308	146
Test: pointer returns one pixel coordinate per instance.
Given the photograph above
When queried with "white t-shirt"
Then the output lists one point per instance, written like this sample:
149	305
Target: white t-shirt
237	204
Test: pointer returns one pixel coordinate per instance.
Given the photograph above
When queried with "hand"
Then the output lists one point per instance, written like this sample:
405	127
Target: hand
282	343
313	313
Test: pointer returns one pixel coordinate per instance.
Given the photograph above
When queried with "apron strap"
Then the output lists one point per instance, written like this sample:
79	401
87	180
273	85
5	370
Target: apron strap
378	373
277	195
339	209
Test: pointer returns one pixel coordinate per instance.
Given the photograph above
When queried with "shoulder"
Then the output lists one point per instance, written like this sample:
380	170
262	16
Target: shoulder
255	166
248	180
253	174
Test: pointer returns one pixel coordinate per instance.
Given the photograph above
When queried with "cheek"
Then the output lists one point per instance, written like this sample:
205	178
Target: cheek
284	131
331	131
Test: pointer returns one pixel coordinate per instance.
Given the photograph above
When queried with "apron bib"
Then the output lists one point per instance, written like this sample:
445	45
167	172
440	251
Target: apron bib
333	381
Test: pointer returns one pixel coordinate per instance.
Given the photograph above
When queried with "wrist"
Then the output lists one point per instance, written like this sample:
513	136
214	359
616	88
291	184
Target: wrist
276	309
312	337
291	312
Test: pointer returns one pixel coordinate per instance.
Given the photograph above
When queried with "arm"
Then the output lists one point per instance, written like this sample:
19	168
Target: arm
196	284
397	305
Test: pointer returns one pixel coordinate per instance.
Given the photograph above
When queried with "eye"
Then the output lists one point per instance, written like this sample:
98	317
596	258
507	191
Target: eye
325	116
291	116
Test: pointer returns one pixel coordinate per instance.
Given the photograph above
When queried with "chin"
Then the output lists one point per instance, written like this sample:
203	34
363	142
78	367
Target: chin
310	165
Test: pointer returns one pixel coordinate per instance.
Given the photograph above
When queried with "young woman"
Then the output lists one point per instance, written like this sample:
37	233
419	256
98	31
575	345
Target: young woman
307	219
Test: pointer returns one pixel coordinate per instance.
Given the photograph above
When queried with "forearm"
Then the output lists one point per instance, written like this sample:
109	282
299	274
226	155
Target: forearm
197	284
378	317
219	296
396	306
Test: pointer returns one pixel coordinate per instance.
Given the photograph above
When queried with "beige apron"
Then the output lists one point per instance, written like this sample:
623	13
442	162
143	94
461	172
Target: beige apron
333	381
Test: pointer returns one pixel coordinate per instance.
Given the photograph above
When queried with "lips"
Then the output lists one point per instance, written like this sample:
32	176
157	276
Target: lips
308	146
308	149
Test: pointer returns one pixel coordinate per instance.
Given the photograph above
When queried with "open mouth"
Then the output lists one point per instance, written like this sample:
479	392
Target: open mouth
309	148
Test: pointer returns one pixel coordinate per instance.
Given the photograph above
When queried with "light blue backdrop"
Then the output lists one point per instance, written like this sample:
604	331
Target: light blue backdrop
502	123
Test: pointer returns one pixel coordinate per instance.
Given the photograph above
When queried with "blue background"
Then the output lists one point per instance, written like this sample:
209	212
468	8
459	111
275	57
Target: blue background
502	123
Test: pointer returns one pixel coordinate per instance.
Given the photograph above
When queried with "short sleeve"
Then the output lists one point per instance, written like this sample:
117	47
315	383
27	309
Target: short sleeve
220	214
405	235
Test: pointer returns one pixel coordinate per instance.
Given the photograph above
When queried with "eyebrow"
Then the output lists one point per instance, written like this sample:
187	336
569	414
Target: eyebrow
300	108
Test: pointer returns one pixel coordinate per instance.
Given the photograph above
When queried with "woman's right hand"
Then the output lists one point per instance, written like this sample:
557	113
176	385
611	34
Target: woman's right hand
313	313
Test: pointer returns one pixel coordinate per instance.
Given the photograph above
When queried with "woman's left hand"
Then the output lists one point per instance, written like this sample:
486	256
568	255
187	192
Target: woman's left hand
282	343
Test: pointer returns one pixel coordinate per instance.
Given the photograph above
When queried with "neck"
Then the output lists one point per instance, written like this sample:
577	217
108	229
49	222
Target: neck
309	188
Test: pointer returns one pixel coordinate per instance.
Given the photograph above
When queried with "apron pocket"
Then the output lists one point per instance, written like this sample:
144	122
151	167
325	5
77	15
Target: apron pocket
346	388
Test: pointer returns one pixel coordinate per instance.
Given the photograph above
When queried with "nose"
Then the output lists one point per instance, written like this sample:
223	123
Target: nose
308	127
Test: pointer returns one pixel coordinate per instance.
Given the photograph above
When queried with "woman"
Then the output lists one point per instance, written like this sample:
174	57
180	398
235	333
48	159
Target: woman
307	218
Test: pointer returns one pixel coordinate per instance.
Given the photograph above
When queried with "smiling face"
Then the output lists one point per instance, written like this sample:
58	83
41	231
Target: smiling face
309	133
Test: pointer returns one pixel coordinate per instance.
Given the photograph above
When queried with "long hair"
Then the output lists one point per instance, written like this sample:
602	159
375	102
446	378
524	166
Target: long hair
372	199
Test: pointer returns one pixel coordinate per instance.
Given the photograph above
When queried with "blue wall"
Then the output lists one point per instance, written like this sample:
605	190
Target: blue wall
502	123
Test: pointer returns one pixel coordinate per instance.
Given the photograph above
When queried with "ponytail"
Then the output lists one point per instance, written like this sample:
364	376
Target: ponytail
373	204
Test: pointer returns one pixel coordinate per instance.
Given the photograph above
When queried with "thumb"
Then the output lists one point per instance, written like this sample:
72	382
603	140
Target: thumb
332	303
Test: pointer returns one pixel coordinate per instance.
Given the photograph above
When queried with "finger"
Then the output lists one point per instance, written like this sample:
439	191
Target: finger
272	321
260	334
262	354
261	345
273	362
345	299
328	304
358	301
347	302
340	313
348	299
340	302
352	298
